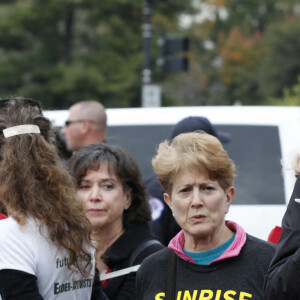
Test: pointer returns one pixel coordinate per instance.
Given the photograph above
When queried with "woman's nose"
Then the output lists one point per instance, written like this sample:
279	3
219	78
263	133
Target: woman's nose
95	193
197	198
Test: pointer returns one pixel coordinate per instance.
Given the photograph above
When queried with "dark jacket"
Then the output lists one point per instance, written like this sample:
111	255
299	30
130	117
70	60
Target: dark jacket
283	278
163	224
118	257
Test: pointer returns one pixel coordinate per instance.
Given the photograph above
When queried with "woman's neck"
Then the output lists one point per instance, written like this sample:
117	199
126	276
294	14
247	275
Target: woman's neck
104	238
206	243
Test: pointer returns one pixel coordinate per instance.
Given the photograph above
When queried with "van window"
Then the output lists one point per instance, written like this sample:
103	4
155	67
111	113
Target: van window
254	149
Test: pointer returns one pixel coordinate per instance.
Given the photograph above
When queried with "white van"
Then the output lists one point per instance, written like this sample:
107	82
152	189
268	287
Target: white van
262	139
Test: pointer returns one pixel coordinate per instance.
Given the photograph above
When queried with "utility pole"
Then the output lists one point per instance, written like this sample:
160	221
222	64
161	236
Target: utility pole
151	95
147	34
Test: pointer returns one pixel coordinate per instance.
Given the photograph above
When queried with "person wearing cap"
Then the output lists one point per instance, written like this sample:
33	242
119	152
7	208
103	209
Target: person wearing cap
163	224
195	123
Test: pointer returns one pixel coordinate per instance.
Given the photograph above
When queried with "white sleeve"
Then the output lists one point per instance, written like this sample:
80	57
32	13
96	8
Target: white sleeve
16	247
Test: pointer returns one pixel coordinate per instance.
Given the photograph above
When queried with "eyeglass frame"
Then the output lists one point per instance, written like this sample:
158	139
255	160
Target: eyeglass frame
69	122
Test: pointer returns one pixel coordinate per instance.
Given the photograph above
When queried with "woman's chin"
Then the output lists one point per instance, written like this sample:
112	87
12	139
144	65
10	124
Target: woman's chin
198	231
97	224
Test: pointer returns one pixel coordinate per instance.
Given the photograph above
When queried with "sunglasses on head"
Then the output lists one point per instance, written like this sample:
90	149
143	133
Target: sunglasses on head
27	101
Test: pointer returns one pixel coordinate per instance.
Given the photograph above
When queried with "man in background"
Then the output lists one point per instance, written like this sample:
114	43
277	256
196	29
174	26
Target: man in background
86	124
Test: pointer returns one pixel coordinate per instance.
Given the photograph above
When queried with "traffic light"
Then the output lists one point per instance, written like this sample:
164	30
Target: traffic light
172	57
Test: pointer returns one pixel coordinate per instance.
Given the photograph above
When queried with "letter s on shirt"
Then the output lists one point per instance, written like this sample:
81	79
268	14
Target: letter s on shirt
228	294
160	296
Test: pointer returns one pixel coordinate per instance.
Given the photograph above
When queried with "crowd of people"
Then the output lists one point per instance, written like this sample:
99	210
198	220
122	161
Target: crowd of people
84	229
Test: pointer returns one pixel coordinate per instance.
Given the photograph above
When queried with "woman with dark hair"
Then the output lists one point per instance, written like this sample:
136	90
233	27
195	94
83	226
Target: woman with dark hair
46	251
114	200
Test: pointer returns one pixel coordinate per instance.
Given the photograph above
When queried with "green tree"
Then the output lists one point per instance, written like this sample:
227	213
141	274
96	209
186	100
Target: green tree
62	51
280	65
291	96
230	69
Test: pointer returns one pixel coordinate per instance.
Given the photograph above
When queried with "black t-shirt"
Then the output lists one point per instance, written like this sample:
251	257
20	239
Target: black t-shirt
236	278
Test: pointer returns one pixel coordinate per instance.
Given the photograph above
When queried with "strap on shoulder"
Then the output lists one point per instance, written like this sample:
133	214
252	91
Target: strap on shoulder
140	248
130	268
171	276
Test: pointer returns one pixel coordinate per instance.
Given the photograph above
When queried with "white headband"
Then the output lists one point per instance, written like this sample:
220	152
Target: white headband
21	129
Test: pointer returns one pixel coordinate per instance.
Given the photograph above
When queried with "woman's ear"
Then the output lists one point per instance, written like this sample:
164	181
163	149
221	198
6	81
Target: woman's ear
229	196
128	199
167	200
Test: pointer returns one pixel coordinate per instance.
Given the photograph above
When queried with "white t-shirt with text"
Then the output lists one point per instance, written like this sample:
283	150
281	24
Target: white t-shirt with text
24	248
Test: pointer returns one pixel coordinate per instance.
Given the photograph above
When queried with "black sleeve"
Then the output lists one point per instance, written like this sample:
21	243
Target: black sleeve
283	277
164	227
128	289
97	292
18	285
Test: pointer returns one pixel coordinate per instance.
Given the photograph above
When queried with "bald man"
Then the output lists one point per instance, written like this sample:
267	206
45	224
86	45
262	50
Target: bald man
86	124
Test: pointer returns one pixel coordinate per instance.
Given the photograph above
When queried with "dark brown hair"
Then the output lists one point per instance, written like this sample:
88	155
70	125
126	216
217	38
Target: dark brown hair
125	168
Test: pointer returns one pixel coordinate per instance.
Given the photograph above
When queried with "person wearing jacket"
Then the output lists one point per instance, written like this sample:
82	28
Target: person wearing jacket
46	250
283	277
210	258
109	186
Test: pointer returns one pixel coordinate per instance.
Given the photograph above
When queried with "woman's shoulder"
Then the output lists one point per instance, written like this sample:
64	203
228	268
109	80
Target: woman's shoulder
9	226
259	242
259	246
19	234
160	257
145	249
17	248
154	264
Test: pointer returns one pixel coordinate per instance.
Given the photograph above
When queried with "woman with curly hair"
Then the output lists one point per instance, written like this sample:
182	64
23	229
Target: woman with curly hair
45	252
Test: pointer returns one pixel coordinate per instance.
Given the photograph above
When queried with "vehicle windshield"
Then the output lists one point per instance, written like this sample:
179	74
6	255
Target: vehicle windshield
254	149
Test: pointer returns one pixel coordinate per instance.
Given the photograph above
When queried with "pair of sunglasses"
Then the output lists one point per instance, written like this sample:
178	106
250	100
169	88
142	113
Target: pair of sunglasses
67	123
27	101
